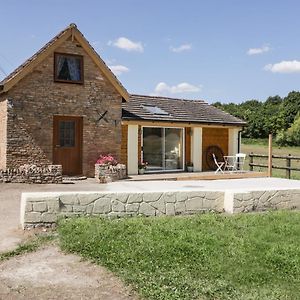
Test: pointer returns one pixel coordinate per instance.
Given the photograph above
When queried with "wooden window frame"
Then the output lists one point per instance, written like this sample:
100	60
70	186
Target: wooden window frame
56	54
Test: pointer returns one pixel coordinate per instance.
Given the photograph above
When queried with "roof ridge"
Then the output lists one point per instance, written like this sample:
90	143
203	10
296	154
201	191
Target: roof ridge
169	98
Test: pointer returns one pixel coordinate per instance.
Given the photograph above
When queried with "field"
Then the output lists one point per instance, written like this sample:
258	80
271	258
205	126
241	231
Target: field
208	256
261	147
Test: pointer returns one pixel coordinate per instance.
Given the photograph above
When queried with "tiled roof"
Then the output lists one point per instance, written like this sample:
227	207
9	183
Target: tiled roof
176	110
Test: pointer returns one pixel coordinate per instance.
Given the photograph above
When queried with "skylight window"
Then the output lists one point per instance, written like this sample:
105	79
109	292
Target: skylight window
155	110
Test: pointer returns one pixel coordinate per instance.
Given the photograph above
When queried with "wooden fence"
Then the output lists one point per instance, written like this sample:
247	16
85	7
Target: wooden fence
288	165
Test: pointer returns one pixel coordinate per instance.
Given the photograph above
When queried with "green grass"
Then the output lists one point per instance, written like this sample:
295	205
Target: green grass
260	146
28	246
249	256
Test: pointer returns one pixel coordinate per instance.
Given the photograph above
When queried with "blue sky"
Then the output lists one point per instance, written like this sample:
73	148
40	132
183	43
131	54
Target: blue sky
228	51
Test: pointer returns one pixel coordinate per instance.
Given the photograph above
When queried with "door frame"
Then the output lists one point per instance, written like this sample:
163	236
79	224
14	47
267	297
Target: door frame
80	135
183	148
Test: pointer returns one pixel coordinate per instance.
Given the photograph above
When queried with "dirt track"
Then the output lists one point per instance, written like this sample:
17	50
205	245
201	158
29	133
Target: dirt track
50	274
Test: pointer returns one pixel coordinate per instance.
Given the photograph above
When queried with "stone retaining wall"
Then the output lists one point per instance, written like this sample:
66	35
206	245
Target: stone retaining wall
43	209
32	174
37	208
266	200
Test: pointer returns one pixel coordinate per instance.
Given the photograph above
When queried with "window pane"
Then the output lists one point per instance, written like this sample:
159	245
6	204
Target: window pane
68	67
173	149
67	133
153	148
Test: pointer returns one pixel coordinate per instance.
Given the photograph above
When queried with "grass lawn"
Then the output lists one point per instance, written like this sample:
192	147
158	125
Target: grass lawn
209	256
260	146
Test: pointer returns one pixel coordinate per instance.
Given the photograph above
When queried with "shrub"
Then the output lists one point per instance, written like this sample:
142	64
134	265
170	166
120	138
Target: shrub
290	137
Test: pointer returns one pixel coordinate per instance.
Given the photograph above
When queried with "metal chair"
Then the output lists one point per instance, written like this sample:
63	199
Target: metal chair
219	164
240	161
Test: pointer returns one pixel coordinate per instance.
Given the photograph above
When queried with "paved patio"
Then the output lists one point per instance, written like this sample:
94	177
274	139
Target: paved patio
10	195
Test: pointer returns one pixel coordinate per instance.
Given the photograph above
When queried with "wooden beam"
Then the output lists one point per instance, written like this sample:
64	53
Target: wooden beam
101	64
270	156
174	124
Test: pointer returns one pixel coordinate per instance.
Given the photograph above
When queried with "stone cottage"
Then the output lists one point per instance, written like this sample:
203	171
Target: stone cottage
64	106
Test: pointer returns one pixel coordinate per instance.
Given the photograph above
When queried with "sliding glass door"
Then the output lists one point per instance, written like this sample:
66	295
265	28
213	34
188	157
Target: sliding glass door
163	148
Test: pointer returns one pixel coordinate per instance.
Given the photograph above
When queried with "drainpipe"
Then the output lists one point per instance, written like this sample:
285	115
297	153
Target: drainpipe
239	139
239	144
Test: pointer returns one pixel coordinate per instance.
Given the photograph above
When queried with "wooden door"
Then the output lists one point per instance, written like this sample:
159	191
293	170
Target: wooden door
67	144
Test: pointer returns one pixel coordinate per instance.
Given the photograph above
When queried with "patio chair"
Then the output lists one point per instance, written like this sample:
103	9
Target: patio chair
230	163
240	161
219	164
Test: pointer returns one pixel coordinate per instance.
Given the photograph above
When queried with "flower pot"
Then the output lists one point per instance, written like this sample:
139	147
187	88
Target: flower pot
190	169
141	171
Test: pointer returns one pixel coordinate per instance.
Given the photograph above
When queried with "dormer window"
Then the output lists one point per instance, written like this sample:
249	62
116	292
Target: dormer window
68	68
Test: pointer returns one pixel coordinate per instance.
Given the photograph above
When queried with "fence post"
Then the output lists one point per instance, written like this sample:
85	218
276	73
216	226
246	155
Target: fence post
270	156
288	165
251	161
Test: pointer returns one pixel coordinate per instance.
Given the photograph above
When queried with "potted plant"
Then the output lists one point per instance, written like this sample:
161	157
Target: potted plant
142	167
190	167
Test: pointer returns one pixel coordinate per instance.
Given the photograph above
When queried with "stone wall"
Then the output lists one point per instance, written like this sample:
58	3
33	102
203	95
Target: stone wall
34	101
266	200
108	173
3	132
32	174
44	209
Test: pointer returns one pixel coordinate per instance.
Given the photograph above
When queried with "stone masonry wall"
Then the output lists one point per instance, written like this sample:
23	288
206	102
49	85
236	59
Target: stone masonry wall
43	209
37	210
3	132
266	200
32	174
36	98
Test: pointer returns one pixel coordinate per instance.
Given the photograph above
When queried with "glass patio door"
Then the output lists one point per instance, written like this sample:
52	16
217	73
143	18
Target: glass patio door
163	148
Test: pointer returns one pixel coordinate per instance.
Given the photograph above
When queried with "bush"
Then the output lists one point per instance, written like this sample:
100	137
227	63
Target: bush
291	137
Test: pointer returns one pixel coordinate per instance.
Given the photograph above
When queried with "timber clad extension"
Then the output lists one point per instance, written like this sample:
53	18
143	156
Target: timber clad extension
71	109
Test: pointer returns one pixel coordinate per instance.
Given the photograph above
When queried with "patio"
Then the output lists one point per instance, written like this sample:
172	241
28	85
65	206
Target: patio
177	176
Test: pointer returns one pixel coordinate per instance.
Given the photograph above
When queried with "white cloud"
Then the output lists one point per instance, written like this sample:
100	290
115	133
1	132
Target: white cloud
184	87
285	66
261	50
119	69
126	44
181	48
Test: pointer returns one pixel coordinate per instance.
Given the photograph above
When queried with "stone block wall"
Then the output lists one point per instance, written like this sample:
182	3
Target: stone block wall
108	173
43	209
34	101
3	133
32	174
266	200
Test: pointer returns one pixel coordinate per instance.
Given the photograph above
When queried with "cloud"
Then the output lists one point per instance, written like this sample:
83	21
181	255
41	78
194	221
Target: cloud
119	69
285	66
261	50
184	87
181	48
126	44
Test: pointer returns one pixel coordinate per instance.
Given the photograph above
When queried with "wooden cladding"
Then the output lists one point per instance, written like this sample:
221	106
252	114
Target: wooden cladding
213	137
124	144
187	145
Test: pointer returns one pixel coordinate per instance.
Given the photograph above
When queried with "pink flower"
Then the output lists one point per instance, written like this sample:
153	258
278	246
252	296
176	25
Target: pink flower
107	160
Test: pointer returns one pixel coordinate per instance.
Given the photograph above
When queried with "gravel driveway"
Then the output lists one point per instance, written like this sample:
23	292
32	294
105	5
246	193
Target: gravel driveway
10	196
